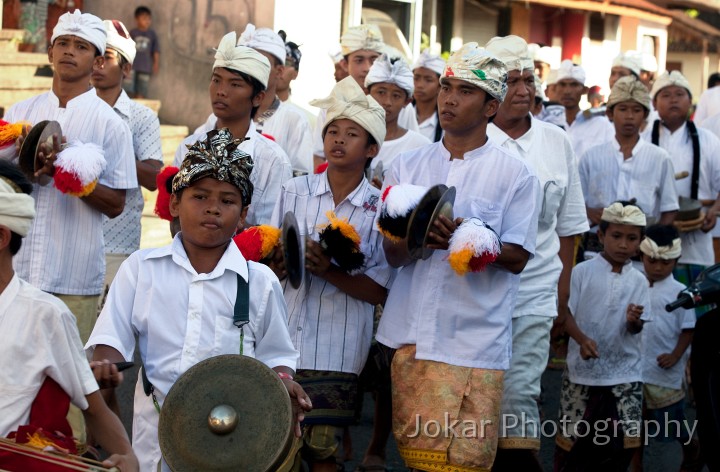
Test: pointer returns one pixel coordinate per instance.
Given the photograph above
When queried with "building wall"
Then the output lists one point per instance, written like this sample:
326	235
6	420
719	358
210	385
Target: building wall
691	67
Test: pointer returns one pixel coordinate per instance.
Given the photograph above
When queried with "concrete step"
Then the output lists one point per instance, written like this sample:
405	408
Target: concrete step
21	65
171	137
154	105
15	90
9	39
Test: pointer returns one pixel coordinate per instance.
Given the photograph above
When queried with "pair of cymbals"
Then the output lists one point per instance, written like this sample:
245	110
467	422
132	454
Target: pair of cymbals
293	243
438	200
227	413
42	132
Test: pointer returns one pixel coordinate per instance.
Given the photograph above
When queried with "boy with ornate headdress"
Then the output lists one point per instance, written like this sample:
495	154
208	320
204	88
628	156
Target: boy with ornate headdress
179	299
331	312
453	333
545	282
43	368
240	77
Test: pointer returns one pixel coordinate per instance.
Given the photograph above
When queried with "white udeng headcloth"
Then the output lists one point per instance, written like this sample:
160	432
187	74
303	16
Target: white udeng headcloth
263	39
362	37
631	60
397	72
430	61
651	249
348	100
624	215
568	70
83	25
17	209
242	59
477	66
125	46
667	79
513	51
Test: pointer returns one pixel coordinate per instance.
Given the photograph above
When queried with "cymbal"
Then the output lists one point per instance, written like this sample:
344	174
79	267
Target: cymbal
438	200
38	134
226	413
293	250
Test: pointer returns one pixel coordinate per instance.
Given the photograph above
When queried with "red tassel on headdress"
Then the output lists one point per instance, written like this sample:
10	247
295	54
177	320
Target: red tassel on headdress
164	186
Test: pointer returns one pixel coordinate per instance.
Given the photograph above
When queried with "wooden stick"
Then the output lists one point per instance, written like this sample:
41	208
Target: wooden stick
57	459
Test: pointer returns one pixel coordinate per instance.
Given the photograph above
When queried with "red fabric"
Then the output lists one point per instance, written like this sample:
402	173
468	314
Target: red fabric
269	136
478	264
67	182
162	203
250	244
321	168
385	193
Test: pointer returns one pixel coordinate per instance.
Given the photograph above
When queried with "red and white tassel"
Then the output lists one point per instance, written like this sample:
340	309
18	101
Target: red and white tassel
473	246
78	168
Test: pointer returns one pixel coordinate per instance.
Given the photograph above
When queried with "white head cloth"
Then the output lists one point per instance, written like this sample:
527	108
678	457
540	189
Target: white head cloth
666	79
543	54
348	100
362	37
649	63
552	77
83	25
335	53
513	51
242	59
477	66
393	72
263	39
568	70
629	89
624	215
630	60
17	209
651	249
124	45
430	61
539	92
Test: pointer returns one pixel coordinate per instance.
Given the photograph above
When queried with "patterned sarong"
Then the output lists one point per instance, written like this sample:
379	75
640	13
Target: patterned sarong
334	396
445	417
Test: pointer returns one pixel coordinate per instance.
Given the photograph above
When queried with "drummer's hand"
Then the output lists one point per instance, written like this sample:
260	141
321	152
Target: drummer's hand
709	221
124	462
276	262
300	403
47	155
442	229
316	261
106	373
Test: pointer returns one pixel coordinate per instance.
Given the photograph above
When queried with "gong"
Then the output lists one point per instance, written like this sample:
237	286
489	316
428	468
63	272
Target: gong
438	200
226	413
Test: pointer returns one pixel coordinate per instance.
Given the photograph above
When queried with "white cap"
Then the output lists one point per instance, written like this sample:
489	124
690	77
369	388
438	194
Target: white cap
649	63
263	39
512	50
430	61
390	71
242	59
478	67
667	79
631	60
544	54
83	25
362	37
568	70
119	39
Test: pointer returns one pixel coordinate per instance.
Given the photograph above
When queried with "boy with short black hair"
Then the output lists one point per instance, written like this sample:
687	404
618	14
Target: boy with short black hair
426	77
147	62
609	303
331	312
179	299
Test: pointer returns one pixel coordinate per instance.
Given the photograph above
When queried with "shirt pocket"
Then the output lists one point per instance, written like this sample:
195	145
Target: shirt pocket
553	195
644	195
227	336
490	212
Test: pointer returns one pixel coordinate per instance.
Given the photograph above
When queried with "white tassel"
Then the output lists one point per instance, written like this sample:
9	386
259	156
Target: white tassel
84	160
475	234
402	199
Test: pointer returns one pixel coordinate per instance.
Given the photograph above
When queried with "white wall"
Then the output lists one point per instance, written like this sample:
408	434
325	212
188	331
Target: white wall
692	65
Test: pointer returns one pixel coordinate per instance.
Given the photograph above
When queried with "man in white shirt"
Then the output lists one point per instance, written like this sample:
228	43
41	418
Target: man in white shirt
680	137
122	233
585	128
426	76
240	75
545	281
709	102
453	333
64	250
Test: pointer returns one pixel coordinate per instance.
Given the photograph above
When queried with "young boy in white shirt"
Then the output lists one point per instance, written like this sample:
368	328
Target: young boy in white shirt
665	343
390	83
331	312
609	303
179	299
426	77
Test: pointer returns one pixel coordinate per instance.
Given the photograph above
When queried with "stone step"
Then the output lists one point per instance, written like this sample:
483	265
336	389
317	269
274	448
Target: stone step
21	65
171	137
154	105
9	39
15	90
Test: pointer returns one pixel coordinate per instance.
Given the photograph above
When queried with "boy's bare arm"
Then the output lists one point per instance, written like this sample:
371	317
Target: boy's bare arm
110	433
106	373
108	201
512	258
300	400
588	346
670	359
667	217
566	254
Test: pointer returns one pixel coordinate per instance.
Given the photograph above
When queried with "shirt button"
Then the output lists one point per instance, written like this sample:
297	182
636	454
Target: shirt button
299	328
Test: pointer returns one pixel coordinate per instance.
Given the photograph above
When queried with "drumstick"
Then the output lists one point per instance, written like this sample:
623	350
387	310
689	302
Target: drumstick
44	457
681	175
55	458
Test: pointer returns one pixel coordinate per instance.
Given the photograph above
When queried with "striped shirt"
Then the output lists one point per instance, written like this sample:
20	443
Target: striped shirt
647	176
697	245
122	233
271	170
331	329
64	250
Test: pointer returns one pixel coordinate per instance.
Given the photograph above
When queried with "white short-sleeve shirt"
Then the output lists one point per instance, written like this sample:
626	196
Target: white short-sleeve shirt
271	169
599	299
589	129
391	149
40	340
463	320
64	250
331	329
547	150
661	336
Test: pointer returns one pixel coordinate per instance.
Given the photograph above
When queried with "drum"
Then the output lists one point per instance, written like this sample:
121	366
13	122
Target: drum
227	413
23	458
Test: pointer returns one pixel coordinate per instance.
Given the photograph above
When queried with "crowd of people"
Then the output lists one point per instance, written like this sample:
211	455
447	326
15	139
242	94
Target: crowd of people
586	208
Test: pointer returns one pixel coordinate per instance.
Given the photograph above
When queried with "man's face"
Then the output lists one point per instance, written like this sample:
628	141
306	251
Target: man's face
288	75
111	74
341	70
427	84
359	64
541	70
672	103
463	107
627	117
230	96
391	97
618	72
276	69
569	92
520	94
73	58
